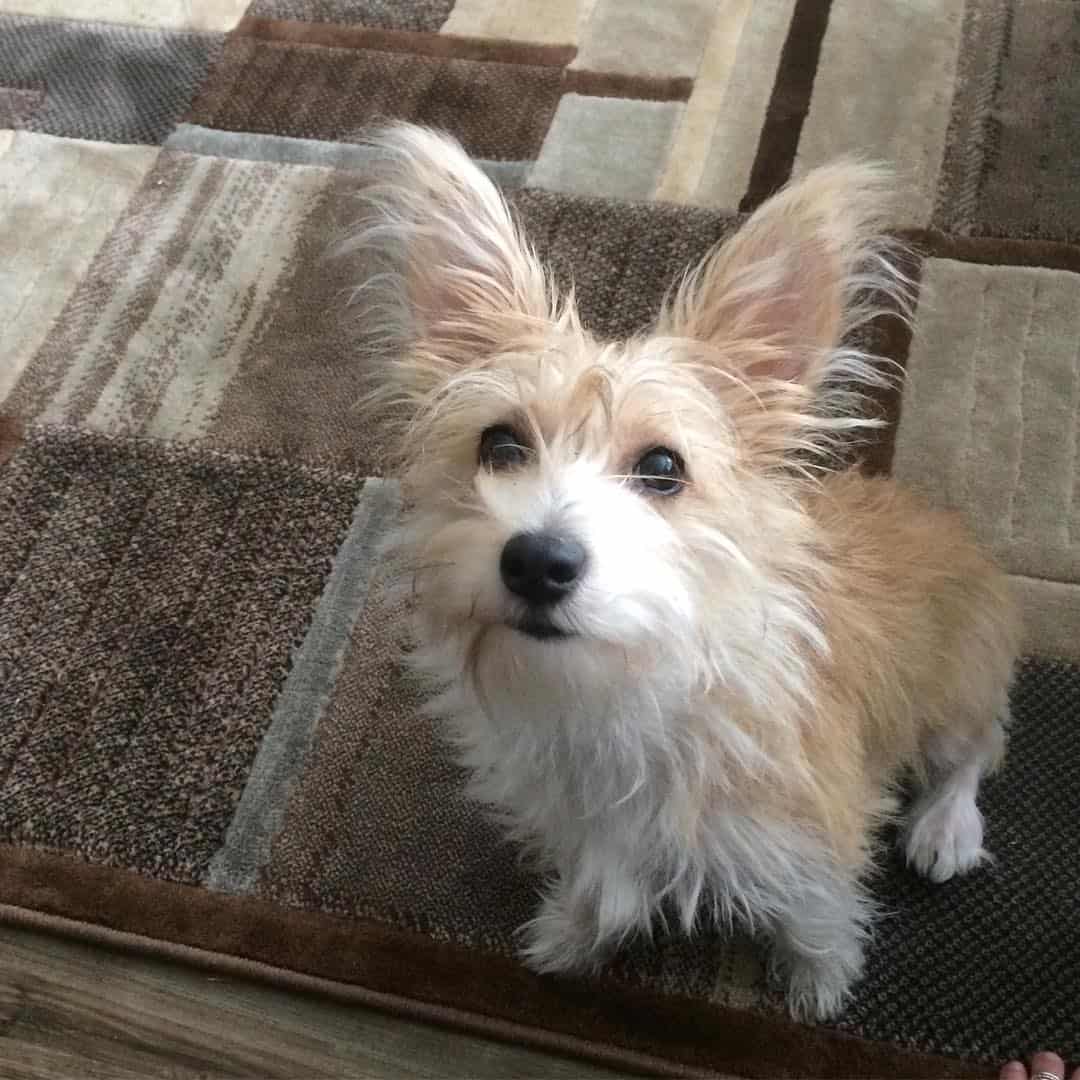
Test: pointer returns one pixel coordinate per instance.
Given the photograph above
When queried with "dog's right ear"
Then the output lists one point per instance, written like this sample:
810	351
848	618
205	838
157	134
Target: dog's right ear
458	278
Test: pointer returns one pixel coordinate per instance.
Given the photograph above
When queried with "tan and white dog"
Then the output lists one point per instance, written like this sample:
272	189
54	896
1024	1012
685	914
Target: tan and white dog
684	666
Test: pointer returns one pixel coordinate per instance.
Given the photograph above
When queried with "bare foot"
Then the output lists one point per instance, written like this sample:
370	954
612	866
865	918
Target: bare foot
1044	1066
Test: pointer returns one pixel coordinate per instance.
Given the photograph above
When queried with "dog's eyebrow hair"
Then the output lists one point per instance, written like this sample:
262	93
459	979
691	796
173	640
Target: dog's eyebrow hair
595	380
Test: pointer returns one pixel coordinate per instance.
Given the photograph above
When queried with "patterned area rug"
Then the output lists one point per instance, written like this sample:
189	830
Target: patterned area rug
207	746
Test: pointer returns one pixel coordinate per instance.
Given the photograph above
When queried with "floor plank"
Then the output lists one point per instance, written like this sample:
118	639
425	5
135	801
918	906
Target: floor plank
69	1009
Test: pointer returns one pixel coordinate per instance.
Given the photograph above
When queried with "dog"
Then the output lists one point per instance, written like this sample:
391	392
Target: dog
686	658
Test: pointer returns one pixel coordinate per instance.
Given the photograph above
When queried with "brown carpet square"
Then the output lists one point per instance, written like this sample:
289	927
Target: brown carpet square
1013	158
150	597
499	111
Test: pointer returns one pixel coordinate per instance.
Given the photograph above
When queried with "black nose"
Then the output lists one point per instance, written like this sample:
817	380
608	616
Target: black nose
541	568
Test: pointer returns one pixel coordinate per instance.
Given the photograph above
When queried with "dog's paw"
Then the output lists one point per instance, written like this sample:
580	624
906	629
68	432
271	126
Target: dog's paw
558	940
817	991
817	988
945	837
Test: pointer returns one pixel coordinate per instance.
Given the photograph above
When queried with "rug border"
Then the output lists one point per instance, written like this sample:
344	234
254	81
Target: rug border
410	974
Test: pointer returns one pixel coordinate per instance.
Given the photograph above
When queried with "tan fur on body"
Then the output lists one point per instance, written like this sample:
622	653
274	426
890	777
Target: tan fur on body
715	715
923	641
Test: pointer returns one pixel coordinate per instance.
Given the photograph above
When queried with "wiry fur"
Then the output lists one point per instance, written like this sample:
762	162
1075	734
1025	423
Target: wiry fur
757	659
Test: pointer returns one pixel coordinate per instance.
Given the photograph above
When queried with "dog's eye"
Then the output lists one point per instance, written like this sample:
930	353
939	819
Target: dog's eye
500	448
661	471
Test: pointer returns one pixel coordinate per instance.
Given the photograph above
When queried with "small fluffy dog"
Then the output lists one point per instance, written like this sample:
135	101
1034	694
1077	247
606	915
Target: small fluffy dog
683	666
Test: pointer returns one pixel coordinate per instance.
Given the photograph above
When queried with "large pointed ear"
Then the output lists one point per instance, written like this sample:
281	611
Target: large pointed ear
778	298
456	276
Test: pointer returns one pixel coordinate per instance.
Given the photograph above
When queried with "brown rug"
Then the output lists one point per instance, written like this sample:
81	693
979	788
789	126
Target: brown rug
207	748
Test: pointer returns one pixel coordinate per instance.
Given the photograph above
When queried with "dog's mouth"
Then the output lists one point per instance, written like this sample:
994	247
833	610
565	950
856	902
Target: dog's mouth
538	625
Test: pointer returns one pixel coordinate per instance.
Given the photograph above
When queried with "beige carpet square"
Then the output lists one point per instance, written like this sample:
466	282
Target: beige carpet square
884	90
59	198
990	423
606	146
205	15
642	37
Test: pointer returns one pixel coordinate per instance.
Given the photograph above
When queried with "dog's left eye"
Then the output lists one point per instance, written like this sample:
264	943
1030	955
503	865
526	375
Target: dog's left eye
661	471
500	448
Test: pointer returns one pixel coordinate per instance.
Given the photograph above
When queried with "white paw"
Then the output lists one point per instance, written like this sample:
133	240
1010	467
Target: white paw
555	941
945	837
817	987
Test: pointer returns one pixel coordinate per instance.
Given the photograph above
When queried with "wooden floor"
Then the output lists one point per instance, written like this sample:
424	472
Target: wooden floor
70	1010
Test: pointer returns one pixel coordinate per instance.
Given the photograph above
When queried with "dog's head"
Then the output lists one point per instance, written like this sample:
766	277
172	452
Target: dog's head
636	497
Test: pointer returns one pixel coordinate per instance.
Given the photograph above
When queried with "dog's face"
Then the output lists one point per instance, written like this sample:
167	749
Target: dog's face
626	499
566	490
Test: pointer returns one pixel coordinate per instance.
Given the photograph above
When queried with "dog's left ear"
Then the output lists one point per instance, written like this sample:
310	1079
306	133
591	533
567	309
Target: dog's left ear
776	299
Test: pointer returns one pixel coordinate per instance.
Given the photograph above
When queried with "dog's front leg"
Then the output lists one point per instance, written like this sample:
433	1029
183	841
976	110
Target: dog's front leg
584	916
820	938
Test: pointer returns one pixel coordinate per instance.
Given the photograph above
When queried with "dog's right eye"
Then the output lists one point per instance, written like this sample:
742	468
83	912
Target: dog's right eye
500	448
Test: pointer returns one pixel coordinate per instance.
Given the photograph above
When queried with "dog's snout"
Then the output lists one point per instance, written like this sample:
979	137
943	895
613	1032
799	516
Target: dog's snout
540	567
